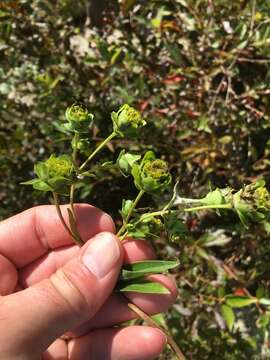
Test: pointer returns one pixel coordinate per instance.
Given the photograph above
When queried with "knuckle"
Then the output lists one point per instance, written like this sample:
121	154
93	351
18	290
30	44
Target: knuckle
68	293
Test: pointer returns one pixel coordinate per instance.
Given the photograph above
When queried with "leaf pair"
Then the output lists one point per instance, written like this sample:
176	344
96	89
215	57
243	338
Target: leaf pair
133	277
235	301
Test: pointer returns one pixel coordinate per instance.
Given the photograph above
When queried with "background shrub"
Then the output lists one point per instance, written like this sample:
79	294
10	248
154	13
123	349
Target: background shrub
199	72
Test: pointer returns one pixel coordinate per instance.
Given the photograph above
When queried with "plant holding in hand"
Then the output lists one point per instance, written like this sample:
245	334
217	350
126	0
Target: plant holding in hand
61	174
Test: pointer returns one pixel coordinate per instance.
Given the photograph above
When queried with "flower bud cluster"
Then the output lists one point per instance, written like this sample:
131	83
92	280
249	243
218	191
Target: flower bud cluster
251	203
79	118
55	174
150	174
127	120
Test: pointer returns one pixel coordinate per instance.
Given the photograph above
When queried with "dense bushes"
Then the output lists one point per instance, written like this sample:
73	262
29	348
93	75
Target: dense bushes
199	72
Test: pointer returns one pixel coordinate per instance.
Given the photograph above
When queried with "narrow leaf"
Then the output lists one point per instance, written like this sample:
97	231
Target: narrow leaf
228	316
144	268
145	288
264	301
239	301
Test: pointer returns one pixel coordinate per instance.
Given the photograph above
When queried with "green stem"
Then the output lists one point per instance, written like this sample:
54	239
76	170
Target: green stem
185	201
104	142
77	240
72	187
71	197
142	315
225	206
135	202
155	213
59	212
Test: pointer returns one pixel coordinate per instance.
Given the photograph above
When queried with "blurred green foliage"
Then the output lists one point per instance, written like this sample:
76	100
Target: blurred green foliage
199	72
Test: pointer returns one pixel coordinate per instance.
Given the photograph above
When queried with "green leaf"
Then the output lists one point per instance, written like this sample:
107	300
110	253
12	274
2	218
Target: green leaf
263	320
264	301
228	316
126	206
38	185
139	231
202	253
125	162
217	238
149	267
30	182
41	170
146	287
239	301
57	182
160	320
203	124
175	228
42	186
213	198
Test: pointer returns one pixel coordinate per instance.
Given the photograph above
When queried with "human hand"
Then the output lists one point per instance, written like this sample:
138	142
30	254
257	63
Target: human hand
50	287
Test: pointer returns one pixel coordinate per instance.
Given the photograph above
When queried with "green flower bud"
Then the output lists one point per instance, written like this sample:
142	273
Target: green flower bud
252	203
59	166
81	144
262	198
78	117
127	120
152	174
54	174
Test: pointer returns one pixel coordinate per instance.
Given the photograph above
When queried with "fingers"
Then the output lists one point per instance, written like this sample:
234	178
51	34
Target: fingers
67	299
58	350
8	276
115	310
45	266
27	236
131	343
137	250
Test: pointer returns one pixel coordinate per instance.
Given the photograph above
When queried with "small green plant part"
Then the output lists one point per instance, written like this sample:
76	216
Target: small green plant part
61	174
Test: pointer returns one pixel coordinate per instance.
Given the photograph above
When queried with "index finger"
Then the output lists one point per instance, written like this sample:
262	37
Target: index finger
27	236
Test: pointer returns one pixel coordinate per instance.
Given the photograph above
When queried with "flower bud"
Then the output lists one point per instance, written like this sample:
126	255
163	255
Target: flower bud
252	203
127	120
78	117
81	144
59	166
54	174
152	174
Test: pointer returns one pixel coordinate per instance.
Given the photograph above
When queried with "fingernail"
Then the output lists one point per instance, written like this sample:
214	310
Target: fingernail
107	222
102	254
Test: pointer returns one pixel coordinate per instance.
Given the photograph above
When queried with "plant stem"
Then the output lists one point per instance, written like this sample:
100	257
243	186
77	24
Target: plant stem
155	213
152	323
225	206
135	202
71	199
104	142
59	212
184	201
77	240
72	187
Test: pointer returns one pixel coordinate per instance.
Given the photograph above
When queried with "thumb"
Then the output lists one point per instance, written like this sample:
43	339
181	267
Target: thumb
35	317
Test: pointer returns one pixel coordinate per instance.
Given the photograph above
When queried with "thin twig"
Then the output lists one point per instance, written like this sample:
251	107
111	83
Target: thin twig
72	187
135	202
59	212
252	20
152	323
104	142
76	238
